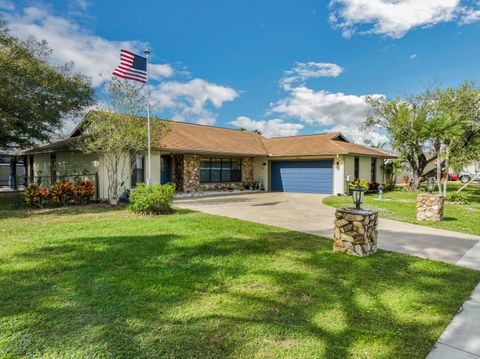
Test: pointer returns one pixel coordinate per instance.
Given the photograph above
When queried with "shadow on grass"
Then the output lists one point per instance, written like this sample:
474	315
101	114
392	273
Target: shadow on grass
271	294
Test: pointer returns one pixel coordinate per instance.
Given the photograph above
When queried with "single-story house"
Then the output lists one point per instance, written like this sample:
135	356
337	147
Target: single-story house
201	158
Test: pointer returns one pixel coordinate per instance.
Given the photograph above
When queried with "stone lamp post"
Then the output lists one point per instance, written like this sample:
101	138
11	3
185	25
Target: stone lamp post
429	205
355	231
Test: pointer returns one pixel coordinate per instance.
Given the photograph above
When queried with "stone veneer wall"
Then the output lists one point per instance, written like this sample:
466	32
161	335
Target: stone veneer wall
355	232
430	207
187	175
177	172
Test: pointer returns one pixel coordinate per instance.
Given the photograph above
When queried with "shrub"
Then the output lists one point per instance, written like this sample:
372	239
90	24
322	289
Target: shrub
360	182
85	191
63	192
458	198
36	196
153	199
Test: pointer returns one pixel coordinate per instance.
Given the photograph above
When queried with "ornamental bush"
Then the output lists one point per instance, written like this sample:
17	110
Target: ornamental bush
63	192
153	199
360	182
84	191
460	197
36	196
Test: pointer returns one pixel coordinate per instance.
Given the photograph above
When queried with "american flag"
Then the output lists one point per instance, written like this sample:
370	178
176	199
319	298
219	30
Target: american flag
132	67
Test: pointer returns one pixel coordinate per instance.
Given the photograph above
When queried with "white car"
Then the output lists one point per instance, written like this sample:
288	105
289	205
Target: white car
470	172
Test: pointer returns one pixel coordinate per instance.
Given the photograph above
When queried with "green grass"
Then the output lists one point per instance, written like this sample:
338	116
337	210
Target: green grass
401	206
94	282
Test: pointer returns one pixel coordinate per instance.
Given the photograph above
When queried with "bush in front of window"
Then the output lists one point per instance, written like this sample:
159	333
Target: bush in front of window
153	199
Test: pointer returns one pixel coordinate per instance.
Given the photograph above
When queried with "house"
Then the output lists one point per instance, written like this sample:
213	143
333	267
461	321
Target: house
202	158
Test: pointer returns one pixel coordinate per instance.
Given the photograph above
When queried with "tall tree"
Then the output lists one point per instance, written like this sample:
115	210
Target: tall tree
404	121
35	94
119	134
116	139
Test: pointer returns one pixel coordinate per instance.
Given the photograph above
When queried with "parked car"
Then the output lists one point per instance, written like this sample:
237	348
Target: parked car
451	176
465	177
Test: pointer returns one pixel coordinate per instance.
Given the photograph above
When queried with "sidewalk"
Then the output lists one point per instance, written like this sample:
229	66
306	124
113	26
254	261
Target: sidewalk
461	339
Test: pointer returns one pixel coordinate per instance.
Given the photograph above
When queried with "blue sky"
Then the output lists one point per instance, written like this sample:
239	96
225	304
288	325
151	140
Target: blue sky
284	67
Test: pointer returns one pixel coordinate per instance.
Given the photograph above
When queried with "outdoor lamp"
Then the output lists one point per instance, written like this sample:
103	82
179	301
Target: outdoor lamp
431	184
357	194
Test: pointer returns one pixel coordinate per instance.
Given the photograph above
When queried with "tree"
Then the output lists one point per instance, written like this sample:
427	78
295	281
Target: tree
404	121
442	129
115	139
35	95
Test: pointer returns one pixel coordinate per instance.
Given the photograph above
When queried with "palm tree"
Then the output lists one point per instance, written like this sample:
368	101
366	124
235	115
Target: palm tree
436	128
454	131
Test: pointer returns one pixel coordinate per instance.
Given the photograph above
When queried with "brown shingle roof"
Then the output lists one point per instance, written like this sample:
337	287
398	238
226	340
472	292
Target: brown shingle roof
318	145
66	144
191	138
183	137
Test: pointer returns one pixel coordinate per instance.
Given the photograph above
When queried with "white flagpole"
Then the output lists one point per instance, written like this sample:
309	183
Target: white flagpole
149	163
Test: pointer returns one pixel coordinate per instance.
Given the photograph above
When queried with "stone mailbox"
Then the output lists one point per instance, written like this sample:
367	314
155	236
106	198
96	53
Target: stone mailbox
430	207
355	232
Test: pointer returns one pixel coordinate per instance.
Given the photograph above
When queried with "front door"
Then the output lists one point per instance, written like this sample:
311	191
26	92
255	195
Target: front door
165	169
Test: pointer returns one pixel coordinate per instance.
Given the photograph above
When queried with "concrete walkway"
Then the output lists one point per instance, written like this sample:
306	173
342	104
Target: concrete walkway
306	213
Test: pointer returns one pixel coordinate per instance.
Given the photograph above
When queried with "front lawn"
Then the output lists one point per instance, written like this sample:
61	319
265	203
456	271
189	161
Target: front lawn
95	282
401	206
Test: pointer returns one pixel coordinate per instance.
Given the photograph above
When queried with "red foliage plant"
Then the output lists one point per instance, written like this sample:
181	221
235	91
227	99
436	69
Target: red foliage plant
85	191
36	196
63	192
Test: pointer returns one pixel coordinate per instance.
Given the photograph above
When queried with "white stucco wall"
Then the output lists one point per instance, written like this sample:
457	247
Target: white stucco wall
261	172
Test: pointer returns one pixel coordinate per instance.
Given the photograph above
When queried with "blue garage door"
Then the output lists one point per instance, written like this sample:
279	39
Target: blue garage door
302	176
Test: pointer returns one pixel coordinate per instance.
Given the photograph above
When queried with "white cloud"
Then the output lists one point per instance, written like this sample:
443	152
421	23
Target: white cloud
322	107
413	56
304	71
359	135
268	128
394	18
92	55
470	15
189	101
7	5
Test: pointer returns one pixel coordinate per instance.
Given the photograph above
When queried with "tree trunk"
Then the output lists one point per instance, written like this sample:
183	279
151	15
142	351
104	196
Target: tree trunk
447	164
468	183
439	167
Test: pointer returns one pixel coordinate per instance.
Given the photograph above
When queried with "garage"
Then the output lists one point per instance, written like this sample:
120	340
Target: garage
302	176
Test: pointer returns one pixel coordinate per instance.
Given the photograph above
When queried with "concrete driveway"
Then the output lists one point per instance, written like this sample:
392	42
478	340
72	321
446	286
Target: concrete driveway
305	213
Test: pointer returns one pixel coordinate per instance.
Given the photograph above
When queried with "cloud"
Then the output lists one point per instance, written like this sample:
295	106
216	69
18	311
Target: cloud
7	5
394	18
322	107
91	55
413	56
304	71
470	15
359	135
190	101
268	128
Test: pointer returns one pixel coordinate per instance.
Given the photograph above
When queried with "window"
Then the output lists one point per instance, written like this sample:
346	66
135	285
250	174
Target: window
220	170
374	170
30	167
138	175
356	170
53	167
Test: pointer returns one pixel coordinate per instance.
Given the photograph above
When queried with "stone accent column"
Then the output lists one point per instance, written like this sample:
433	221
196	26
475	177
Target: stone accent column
430	207
177	169
191	173
355	232
247	171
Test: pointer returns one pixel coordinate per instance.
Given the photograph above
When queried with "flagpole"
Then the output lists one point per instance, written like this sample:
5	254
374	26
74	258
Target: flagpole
149	163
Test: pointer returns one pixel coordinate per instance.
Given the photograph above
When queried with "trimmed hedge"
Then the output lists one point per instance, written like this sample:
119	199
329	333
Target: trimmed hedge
152	199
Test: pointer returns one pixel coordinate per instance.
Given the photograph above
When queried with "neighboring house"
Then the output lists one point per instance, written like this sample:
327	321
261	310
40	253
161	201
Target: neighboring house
202	158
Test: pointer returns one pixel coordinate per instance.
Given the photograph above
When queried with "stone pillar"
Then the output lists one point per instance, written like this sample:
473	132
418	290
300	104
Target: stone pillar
355	232
247	171
430	207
